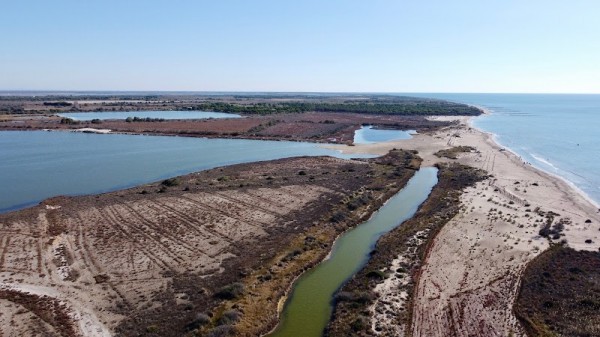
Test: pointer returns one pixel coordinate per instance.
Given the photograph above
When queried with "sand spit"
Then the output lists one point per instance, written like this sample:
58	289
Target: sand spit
470	276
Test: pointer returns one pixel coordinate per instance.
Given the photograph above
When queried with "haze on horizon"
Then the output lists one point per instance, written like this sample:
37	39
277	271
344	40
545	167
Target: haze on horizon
333	46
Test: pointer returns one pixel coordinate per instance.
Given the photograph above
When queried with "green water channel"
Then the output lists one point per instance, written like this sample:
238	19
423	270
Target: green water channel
309	307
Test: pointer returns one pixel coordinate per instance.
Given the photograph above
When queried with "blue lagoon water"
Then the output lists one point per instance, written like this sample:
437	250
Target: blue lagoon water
556	133
367	135
35	165
88	116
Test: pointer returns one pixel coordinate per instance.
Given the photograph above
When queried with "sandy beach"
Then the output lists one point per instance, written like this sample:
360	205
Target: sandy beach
470	277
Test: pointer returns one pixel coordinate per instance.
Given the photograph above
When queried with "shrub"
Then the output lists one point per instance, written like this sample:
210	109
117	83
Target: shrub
221	331
376	274
231	291
338	216
359	324
170	182
344	296
152	329
68	121
229	317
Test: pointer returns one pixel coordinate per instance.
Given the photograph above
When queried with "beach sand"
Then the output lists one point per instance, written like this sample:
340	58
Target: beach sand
470	277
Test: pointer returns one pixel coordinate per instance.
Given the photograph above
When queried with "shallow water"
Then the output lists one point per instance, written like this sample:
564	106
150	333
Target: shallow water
308	309
88	116
367	135
35	165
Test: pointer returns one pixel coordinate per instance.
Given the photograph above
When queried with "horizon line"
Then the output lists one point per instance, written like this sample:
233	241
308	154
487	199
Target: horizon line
61	91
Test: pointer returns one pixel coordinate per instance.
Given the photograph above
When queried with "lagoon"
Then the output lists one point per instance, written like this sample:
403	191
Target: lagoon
88	116
368	135
35	165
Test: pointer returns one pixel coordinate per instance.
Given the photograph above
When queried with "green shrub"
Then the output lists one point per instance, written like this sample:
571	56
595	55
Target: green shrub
231	291
376	274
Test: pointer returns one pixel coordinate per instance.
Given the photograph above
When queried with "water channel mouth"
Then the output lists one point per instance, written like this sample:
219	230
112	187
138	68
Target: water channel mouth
309	306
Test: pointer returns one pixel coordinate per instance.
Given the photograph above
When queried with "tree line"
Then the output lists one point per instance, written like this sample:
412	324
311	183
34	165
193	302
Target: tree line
409	108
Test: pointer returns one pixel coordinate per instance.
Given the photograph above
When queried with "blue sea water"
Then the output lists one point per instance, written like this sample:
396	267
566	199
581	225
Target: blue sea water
558	133
88	116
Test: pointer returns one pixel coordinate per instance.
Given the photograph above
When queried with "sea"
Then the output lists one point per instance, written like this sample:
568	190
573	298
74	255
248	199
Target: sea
557	133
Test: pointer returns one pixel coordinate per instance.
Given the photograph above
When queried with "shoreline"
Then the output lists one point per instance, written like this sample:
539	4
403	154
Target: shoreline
502	225
491	138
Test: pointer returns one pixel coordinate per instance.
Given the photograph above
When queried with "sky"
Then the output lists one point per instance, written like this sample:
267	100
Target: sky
512	46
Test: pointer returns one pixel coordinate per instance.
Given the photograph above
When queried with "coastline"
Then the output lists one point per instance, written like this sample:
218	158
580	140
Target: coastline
563	197
481	252
493	138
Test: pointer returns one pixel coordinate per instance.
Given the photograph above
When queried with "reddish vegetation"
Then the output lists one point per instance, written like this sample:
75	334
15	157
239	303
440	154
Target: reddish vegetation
318	127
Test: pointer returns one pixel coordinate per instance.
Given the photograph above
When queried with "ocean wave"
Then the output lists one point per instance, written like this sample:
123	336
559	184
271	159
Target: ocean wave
544	161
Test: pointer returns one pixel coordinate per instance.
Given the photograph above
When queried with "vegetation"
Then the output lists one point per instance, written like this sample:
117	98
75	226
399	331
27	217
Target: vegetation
58	104
453	152
231	291
69	121
170	182
357	295
560	294
416	107
140	119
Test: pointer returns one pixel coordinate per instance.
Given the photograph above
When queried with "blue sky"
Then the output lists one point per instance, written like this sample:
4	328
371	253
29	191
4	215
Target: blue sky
327	45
